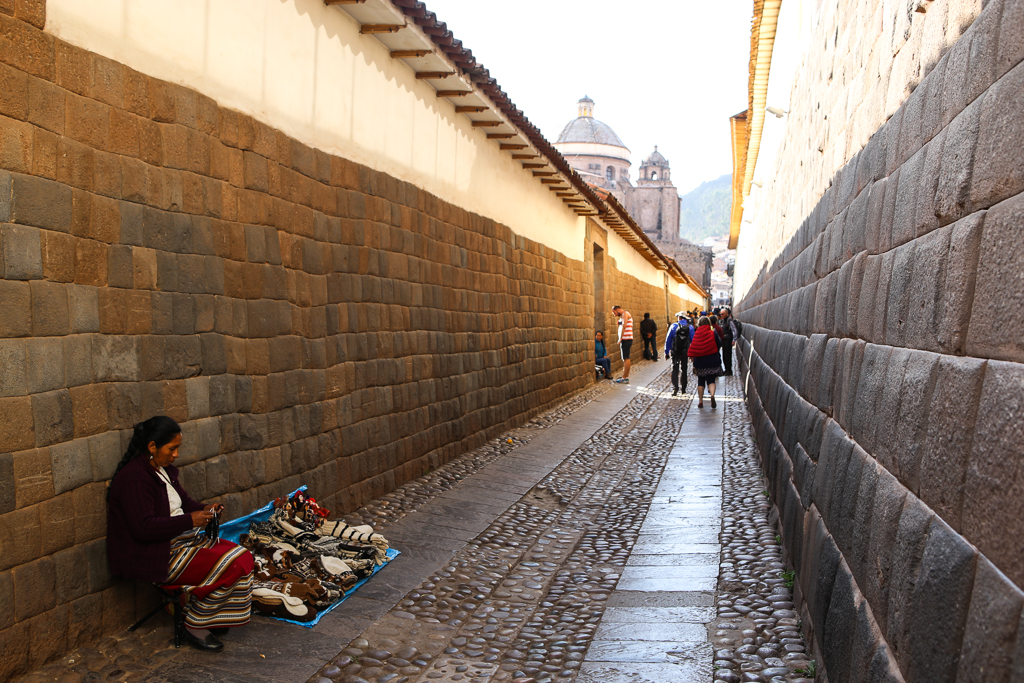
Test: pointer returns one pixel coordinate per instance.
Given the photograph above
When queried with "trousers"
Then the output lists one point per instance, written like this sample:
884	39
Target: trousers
679	371
653	344
727	357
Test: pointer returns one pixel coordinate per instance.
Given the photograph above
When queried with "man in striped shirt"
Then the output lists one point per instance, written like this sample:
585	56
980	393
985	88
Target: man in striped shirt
625	340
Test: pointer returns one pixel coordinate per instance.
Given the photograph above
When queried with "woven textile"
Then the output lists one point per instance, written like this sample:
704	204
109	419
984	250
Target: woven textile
216	575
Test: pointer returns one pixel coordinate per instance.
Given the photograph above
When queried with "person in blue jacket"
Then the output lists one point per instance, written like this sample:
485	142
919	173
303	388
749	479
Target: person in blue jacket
677	352
601	355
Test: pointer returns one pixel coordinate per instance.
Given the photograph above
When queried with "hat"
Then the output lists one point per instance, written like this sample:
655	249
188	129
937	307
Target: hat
681	314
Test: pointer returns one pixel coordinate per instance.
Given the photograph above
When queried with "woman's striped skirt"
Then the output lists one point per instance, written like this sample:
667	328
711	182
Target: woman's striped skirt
216	575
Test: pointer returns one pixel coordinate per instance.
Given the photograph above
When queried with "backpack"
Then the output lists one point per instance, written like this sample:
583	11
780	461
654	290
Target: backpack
739	327
681	341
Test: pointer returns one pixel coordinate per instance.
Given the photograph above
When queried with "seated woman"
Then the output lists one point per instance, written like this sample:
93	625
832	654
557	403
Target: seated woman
601	355
154	534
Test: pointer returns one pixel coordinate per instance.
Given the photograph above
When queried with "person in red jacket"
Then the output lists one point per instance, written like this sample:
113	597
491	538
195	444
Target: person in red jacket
707	363
154	534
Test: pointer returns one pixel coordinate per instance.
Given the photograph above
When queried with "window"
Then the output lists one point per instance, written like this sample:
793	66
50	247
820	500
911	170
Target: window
609	173
654	175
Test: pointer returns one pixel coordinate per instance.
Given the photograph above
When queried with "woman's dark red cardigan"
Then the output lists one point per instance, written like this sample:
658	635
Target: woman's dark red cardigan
139	522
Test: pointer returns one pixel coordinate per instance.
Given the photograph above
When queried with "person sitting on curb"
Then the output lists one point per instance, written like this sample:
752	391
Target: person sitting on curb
601	355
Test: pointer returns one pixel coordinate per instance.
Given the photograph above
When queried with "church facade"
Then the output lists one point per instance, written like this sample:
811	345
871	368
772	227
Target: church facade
599	155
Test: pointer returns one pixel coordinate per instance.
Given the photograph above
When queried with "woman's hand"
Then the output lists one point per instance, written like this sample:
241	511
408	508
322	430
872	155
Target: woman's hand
201	517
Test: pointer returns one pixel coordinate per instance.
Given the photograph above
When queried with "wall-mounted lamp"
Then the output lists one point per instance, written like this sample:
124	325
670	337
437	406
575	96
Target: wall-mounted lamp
776	112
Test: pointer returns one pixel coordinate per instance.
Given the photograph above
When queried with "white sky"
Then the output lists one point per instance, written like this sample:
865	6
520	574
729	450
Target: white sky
661	72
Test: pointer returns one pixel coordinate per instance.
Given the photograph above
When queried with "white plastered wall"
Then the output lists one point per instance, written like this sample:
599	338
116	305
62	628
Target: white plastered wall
305	69
629	260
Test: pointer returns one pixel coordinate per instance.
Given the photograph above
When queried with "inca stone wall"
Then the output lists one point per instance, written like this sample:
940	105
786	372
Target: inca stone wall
886	383
306	319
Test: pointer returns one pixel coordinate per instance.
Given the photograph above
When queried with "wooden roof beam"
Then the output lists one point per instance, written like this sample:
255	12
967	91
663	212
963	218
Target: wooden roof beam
469	109
512	147
525	156
399	54
343	2
454	93
381	28
544	174
534	165
427	75
501	136
486	124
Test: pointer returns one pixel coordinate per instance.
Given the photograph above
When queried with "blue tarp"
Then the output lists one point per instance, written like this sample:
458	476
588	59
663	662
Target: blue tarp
231	531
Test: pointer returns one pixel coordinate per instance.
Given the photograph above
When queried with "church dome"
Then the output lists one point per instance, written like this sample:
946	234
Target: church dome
656	159
589	129
586	136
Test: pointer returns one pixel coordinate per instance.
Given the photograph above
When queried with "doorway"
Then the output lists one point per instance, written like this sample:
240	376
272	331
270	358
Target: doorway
600	310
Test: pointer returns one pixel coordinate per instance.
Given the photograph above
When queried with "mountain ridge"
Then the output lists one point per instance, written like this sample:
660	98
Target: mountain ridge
704	212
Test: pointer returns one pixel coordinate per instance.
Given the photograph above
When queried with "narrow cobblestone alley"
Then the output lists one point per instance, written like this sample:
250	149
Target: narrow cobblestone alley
588	545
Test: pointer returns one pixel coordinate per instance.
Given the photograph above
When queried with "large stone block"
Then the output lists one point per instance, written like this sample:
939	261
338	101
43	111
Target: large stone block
13	353
124	404
994	485
833	462
814	354
952	195
52	417
947	445
71	465
991	633
871	389
22	252
41	203
904	216
997	174
115	358
925	290
34	588
919	380
897	309
999	281
836	634
908	549
938	608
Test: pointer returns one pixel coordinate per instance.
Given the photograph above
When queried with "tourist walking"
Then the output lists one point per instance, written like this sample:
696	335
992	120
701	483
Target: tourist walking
601	354
728	339
677	343
707	364
625	340
649	332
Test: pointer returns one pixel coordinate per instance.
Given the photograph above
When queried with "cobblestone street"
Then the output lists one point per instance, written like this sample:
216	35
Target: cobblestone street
596	543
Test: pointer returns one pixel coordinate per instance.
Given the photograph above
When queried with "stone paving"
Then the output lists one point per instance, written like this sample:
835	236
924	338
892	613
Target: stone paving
589	545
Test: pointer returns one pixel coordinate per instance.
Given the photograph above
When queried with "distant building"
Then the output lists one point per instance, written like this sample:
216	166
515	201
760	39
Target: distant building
599	155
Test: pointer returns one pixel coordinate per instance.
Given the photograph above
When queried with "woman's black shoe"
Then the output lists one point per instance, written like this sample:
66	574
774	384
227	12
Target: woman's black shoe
207	644
220	632
713	404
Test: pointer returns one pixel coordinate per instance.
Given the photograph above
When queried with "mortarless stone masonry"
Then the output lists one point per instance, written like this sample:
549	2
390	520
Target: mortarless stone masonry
886	382
306	319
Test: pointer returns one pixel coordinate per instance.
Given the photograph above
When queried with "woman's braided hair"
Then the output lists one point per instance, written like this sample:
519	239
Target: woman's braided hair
158	429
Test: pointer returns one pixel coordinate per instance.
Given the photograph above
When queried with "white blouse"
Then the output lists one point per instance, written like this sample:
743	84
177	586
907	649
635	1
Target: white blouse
173	499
